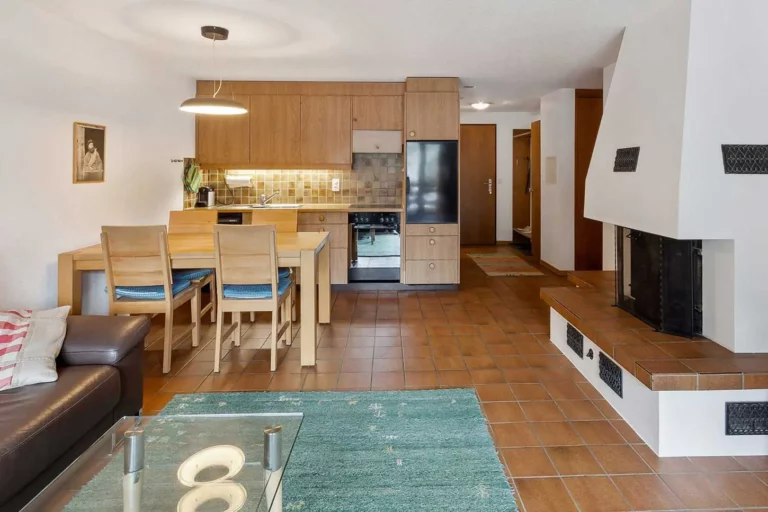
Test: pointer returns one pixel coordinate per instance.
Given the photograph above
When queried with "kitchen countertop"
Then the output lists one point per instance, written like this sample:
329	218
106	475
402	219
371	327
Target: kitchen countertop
316	208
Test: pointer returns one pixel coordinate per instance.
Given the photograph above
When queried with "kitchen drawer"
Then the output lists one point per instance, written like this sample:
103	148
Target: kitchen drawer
431	229
431	271
431	247
339	233
323	218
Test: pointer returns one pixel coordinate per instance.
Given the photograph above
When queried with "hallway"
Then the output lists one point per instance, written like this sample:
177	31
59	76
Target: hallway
563	447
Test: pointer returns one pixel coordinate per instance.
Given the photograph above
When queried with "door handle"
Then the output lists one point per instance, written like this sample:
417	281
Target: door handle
490	186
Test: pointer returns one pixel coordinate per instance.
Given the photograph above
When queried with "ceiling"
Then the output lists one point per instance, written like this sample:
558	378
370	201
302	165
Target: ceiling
512	51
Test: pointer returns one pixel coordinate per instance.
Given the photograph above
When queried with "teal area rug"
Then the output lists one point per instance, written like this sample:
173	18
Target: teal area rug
385	244
387	451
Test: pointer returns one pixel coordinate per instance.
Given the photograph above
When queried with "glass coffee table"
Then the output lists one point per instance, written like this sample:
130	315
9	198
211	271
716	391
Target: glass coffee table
179	463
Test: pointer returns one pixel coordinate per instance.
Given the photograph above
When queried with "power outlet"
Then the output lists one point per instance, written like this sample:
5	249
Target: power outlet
335	185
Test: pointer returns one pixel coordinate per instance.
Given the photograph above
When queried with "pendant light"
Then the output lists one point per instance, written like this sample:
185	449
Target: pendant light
213	105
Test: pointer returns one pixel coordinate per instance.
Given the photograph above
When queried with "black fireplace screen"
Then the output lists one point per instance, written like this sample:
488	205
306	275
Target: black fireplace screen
658	280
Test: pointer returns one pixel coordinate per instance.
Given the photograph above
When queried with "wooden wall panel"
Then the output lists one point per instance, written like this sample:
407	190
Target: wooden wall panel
588	233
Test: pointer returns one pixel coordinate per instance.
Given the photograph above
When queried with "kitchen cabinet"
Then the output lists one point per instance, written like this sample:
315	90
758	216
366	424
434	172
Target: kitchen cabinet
224	139
432	116
377	141
326	130
431	254
335	223
275	126
377	113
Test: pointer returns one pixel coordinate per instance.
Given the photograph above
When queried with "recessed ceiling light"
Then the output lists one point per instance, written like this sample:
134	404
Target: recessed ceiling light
480	105
468	86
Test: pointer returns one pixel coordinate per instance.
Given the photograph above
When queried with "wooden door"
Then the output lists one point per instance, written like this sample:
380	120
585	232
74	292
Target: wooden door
521	167
536	189
275	130
224	139
377	113
326	130
588	240
432	115
477	149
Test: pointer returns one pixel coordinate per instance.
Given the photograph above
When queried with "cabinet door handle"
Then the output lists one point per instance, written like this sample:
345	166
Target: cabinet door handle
411	134
431	265
321	230
321	218
431	241
432	229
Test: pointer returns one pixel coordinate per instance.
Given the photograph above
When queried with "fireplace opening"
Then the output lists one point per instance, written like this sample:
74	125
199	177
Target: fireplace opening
658	280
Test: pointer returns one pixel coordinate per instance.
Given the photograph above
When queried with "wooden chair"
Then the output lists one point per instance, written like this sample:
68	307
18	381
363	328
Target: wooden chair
194	222
139	280
285	221
246	266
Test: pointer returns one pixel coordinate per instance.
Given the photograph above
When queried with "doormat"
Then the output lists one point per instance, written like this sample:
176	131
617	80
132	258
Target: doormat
499	265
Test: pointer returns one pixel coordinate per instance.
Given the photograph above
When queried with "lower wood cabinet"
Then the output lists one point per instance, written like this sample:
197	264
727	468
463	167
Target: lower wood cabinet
431	247
339	266
334	223
431	271
339	233
431	254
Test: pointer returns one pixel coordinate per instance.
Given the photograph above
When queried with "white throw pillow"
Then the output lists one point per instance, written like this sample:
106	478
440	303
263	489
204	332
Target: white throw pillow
30	341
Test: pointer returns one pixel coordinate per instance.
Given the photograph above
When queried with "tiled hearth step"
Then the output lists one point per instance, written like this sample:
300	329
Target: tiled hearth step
662	362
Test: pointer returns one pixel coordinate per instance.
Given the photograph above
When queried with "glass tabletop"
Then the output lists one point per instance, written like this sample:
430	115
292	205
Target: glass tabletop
179	463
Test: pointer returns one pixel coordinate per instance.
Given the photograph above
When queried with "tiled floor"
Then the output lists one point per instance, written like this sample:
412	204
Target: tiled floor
563	447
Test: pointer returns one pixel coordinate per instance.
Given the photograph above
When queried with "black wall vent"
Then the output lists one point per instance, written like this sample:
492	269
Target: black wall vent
610	373
745	158
746	418
575	340
626	159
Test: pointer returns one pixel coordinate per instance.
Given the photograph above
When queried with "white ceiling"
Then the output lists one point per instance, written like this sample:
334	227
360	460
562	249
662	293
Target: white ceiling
513	51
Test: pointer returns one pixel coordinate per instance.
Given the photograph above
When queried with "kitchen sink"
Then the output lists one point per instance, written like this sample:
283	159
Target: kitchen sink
260	206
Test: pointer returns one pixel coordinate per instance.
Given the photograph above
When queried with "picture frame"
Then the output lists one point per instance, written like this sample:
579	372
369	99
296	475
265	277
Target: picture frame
89	153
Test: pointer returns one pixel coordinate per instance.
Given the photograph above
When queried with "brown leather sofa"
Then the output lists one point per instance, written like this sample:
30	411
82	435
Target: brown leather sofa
44	427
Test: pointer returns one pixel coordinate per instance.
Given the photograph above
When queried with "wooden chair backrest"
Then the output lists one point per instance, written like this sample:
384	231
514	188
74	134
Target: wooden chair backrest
245	255
285	221
192	221
136	256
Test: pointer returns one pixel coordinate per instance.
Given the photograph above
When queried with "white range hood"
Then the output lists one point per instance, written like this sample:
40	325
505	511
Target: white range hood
690	90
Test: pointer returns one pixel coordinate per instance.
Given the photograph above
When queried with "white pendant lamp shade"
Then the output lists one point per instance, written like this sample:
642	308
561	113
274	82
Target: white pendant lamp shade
480	105
213	106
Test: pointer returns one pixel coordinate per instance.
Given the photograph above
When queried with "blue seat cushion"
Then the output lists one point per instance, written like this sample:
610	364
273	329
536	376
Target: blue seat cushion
191	274
284	272
150	292
254	291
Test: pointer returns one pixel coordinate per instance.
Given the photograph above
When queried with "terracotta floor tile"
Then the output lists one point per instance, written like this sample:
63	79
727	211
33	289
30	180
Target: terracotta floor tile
388	365
360	342
388	353
417	352
421	380
514	435
450	363
716	464
598	432
354	381
696	491
556	433
328	366
286	382
626	432
580	410
358	353
330	353
542	411
664	464
494	393
608	411
218	383
503	350
157	402
528	462
183	384
756	463
620	459
744	488
544	495
320	382
574	460
590	391
647	492
487	376
503	412
521	376
252	382
596	494
424	364
195	368
454	379
504	361
480	363
529	392
356	365
388	380
388	341
563	390
445	351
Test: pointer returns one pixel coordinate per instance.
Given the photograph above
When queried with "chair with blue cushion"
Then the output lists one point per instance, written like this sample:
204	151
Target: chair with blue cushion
247	280
139	280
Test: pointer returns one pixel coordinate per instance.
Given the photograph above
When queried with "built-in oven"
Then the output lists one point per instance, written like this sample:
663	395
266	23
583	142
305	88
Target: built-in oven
375	247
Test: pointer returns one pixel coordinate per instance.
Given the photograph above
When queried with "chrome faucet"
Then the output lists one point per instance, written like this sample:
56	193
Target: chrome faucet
264	199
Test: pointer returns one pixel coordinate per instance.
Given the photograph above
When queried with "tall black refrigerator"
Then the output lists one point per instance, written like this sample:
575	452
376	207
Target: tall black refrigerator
432	182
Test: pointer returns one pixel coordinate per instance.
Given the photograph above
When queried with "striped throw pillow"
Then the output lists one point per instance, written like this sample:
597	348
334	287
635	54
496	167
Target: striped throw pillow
30	341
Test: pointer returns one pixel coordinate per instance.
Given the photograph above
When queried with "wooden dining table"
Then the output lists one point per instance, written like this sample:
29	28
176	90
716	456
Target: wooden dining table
308	251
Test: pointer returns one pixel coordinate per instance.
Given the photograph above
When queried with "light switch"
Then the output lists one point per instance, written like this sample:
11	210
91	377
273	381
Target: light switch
335	185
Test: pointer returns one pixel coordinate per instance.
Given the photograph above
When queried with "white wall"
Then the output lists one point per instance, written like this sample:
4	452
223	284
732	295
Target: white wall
53	75
558	120
609	230
505	122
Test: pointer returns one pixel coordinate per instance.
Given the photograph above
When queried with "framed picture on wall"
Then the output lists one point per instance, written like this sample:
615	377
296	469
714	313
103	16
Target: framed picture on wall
89	153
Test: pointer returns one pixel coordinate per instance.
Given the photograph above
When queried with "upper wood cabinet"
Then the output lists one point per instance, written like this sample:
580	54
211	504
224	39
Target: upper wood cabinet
377	113
432	116
326	130
224	139
275	130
